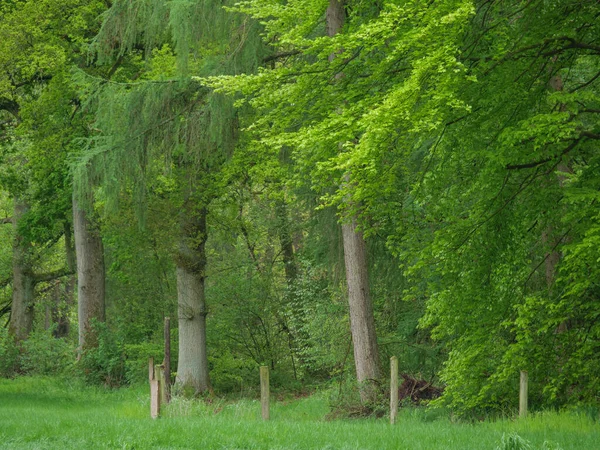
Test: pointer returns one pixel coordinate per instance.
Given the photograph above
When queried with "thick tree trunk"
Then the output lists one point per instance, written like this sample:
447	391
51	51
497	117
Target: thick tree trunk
21	316
362	321
335	17
192	369
90	275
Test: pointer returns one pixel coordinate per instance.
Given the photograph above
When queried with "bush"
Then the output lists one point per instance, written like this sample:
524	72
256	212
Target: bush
43	354
102	360
230	373
9	354
137	356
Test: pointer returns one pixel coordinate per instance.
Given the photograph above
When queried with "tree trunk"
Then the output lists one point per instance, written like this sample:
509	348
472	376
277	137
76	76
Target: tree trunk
192	369
335	18
21	316
362	321
90	275
63	324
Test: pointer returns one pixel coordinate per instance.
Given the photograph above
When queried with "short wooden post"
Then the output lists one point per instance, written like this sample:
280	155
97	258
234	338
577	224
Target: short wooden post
167	360
393	389
523	394
159	371
264	392
154	390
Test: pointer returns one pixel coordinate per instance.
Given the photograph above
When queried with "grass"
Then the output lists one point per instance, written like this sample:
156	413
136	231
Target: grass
41	413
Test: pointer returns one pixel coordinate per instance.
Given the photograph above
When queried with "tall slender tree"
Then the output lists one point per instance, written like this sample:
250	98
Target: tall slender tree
362	321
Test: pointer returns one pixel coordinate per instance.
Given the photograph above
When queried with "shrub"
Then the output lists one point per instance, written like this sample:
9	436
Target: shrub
102	360
43	354
9	354
230	373
137	356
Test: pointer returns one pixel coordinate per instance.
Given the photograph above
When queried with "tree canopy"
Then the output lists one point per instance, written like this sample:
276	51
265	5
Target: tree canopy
222	143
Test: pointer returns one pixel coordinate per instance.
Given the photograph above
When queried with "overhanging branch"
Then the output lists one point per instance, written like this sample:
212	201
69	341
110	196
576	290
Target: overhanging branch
537	163
277	56
49	276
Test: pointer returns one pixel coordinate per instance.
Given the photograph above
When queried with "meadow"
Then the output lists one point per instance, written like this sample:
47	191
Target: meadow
46	413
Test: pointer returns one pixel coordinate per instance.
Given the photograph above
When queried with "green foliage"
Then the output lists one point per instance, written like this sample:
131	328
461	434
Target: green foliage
233	373
321	328
468	131
102	361
44	354
40	354
136	360
9	354
463	126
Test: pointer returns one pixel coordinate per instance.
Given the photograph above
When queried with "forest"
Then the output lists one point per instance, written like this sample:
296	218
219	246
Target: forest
309	185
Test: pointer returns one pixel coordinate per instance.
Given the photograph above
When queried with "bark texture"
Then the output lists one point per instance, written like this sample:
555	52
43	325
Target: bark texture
62	318
335	18
362	322
90	275
21	316
192	369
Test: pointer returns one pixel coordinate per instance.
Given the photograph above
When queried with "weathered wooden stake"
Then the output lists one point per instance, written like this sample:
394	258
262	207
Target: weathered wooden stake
167	360
159	371
523	394
393	389
154	390
264	391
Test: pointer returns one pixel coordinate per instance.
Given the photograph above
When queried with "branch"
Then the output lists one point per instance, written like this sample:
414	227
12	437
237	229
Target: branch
9	105
281	55
114	68
590	135
586	84
32	80
527	181
533	164
49	276
6	220
548	254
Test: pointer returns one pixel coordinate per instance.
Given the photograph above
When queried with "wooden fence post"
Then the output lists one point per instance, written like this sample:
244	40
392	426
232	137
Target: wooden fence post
167	361
154	390
159	372
264	392
523	394
393	389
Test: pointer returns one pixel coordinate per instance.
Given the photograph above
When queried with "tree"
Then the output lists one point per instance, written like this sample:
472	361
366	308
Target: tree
90	275
362	322
452	138
337	101
491	196
40	40
170	118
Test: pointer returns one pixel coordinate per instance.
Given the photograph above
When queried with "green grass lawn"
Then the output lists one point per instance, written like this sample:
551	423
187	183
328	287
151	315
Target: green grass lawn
37	413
